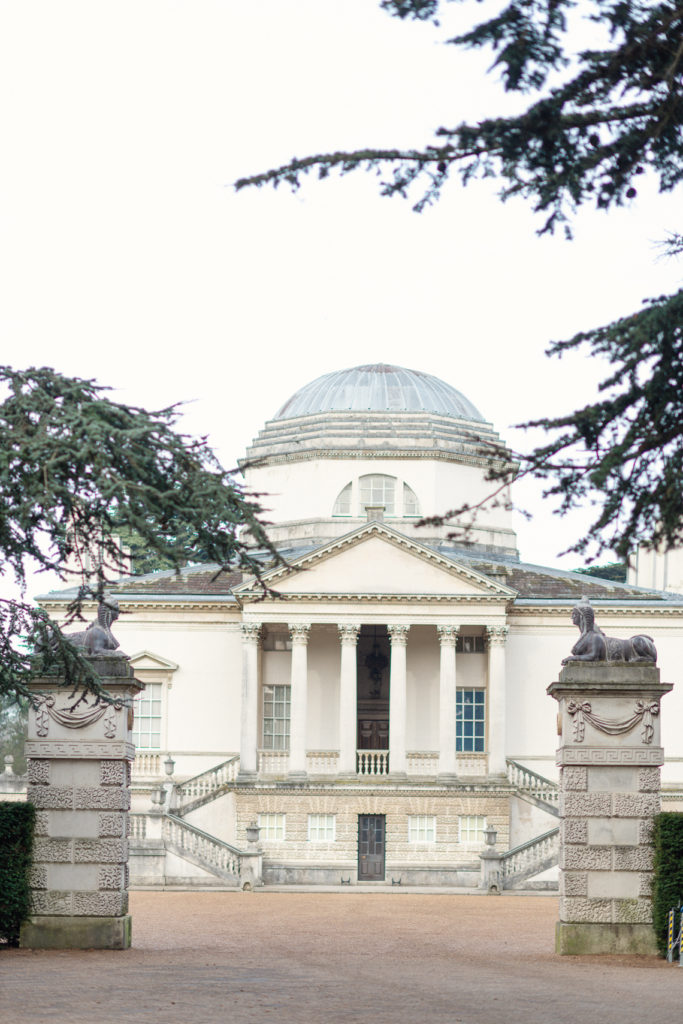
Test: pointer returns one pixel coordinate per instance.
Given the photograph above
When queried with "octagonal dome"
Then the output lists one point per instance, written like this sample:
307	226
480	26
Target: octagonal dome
378	388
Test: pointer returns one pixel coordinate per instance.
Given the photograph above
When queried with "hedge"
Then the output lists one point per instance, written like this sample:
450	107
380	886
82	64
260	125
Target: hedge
667	888
17	822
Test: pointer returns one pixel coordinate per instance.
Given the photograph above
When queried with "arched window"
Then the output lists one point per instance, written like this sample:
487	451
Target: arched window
410	504
342	506
378	490
396	497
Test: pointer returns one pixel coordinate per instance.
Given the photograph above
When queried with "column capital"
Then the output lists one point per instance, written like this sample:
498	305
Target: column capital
348	632
299	632
398	634
497	635
448	635
251	631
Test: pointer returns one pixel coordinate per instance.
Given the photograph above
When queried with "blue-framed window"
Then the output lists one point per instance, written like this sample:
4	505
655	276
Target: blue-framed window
470	721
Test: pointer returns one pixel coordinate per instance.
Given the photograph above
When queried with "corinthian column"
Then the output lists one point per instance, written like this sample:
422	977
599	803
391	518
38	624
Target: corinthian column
299	701
497	636
448	636
348	692
251	632
397	700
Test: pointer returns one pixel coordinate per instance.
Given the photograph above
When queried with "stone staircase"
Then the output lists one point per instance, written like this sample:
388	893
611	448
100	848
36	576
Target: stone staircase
542	792
207	786
522	862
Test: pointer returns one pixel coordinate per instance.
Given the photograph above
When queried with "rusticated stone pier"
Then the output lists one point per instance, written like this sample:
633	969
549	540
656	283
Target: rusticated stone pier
609	758
79	761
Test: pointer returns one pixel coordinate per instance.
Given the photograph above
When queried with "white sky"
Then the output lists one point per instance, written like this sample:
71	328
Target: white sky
127	256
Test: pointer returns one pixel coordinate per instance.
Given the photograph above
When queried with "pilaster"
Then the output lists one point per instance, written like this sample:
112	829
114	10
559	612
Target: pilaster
448	636
299	702
251	635
398	635
497	636
348	698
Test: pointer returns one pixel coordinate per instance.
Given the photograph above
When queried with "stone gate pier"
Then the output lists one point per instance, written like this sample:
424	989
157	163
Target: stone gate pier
79	755
609	757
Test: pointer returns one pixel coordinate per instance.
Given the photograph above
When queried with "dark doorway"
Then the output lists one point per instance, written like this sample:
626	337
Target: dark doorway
373	688
371	829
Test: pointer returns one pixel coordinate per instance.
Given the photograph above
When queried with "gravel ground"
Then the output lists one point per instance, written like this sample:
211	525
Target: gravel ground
328	958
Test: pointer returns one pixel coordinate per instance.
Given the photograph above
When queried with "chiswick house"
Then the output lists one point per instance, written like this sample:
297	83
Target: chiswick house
385	706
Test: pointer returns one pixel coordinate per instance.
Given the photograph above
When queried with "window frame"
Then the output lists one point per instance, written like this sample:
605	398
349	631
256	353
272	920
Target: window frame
476	841
417	823
331	826
478	723
285	735
266	823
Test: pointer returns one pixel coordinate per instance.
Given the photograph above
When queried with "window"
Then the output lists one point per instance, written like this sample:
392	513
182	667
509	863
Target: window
276	717
410	505
472	829
342	506
471	645
470	721
321	828
421	828
147	719
378	490
272	827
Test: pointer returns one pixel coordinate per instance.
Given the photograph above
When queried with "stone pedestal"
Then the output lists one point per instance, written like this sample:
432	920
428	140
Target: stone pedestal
79	777
609	758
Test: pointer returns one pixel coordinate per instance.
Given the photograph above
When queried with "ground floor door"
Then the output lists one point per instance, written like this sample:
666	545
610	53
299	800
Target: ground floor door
371	829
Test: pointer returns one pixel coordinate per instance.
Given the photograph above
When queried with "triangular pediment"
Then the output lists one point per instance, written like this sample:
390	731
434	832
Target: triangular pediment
376	560
146	661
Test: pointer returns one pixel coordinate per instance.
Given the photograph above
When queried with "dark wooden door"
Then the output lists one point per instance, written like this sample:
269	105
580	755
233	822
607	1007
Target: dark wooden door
371	828
373	734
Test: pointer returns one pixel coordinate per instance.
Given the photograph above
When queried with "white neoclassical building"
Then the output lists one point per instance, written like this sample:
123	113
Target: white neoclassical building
386	702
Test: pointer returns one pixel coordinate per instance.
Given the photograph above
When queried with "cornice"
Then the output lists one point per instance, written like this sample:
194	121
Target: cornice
565	610
354	454
392	598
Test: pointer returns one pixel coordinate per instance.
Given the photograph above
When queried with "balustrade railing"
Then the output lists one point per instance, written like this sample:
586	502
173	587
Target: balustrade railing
422	762
534	784
471	764
147	764
526	857
215	853
273	762
138	826
209	782
372	762
322	762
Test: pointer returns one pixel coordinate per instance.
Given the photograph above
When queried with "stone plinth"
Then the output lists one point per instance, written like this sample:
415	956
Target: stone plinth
79	757
609	758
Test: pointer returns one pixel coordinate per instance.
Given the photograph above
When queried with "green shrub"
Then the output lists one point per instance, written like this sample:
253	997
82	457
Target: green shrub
667	891
17	821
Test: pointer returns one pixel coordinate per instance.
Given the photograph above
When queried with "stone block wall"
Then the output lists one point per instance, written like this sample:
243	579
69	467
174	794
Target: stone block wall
81	847
606	848
446	861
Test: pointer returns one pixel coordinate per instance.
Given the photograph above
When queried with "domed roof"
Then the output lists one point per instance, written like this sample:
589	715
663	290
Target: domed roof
378	388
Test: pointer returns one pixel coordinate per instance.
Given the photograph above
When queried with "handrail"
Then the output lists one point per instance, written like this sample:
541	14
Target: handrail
209	780
530	843
544	783
203	835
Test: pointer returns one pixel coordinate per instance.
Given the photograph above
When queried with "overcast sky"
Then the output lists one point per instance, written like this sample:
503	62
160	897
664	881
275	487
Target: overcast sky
128	257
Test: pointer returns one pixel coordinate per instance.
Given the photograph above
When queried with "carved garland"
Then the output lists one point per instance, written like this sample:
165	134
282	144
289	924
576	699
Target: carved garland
582	713
46	710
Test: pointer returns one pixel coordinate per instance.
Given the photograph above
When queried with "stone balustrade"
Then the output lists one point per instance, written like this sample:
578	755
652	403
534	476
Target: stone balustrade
372	762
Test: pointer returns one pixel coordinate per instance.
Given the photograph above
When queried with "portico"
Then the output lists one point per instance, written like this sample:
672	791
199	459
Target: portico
374	686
